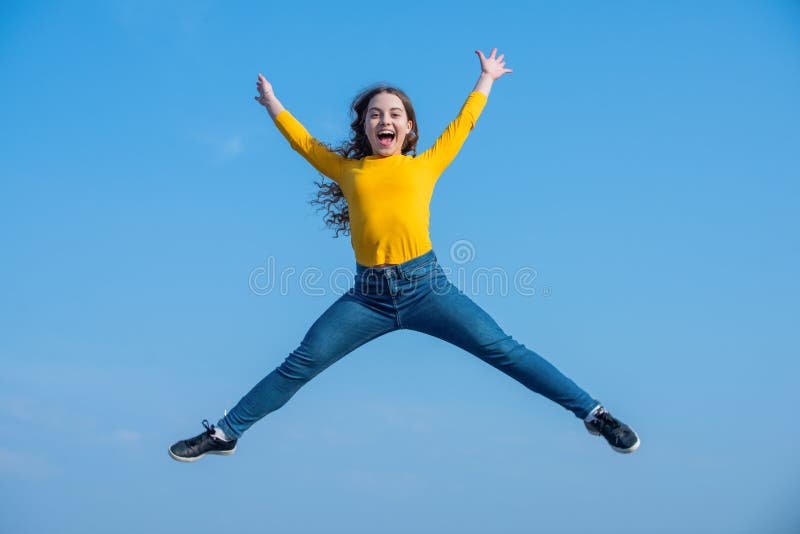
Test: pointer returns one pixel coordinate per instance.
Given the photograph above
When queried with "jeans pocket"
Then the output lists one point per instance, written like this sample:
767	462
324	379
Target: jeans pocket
420	272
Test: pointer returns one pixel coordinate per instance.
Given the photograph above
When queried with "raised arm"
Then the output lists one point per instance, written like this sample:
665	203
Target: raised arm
317	154
448	144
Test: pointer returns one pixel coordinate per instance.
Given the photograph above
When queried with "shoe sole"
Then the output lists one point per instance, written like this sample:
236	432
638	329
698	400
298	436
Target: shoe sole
188	459
629	449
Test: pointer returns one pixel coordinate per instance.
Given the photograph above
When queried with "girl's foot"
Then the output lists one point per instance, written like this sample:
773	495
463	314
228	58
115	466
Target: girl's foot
192	449
620	436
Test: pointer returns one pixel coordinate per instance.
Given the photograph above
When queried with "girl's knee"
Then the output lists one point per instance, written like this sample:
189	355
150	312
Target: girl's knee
503	351
301	365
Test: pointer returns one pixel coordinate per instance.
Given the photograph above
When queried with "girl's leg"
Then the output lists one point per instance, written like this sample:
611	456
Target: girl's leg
347	324
445	312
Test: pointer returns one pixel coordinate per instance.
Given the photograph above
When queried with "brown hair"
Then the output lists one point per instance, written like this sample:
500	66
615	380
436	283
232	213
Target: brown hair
329	196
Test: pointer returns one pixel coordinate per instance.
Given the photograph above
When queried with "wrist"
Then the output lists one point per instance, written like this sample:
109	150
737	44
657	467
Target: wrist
484	83
485	79
267	98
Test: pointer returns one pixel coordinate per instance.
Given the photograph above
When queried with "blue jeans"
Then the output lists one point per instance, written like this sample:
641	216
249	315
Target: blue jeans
416	295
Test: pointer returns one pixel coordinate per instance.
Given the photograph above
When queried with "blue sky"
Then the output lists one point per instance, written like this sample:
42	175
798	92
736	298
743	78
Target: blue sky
642	159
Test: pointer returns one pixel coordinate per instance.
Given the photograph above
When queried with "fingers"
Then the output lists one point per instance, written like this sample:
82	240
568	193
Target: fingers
493	55
262	85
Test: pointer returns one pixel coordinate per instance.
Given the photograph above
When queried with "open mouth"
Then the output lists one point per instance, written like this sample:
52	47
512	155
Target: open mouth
386	138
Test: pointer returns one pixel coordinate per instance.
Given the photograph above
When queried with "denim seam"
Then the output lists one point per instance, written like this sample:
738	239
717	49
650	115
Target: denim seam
393	295
396	312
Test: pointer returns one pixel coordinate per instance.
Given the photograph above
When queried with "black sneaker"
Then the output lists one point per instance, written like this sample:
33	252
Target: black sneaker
195	448
620	436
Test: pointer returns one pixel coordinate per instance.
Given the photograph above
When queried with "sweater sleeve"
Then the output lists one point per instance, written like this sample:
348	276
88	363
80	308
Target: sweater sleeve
317	154
444	150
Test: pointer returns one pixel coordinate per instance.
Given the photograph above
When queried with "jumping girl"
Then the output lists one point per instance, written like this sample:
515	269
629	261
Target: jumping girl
381	194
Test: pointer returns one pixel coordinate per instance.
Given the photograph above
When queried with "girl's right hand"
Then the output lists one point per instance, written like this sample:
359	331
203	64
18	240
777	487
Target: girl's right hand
493	66
264	89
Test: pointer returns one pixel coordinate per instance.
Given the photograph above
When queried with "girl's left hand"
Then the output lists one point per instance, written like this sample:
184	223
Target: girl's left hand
493	66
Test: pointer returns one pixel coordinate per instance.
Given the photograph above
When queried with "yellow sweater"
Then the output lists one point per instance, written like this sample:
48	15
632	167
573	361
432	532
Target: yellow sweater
388	197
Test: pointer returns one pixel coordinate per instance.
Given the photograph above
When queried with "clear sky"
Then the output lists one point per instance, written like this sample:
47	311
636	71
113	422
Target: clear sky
642	159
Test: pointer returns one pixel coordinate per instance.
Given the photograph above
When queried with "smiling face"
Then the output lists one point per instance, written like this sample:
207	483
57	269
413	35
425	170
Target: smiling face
386	124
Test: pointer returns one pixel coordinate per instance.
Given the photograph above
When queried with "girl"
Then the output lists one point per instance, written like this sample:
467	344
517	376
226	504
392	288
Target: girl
382	190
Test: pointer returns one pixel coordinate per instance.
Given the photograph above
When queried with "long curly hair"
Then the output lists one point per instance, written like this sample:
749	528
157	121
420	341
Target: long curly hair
330	198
